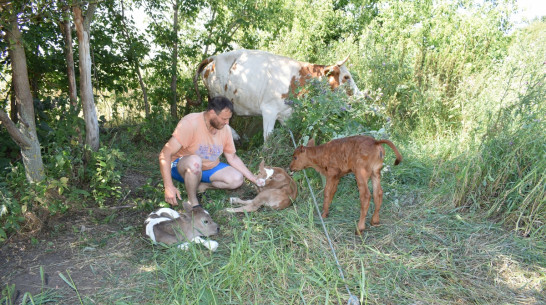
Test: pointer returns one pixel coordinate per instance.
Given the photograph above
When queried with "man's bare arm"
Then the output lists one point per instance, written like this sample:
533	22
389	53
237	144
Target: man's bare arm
171	192
238	164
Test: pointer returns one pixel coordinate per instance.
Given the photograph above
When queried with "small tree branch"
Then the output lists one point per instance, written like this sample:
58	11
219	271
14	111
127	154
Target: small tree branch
17	136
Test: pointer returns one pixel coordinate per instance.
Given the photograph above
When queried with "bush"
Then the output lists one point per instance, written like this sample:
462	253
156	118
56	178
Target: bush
326	114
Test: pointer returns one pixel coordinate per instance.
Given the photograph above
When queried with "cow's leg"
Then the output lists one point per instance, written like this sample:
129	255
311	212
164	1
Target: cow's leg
377	195
362	177
269	117
329	191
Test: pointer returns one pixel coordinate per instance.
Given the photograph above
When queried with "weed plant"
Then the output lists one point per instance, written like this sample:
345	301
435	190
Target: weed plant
325	114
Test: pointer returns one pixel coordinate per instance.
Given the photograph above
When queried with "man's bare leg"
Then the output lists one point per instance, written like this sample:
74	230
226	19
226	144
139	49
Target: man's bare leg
189	168
226	178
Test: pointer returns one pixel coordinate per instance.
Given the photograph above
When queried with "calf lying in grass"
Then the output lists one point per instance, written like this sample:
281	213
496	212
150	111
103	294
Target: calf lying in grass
169	227
277	193
361	155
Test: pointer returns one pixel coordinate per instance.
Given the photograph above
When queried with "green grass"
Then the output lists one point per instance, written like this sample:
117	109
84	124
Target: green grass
423	252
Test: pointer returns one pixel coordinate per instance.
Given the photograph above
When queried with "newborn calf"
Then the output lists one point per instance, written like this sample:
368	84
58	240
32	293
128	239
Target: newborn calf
277	193
169	227
361	155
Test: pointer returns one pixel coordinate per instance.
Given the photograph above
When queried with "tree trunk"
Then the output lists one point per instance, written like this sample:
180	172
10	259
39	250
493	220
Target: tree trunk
144	91
174	60
25	134
13	103
136	66
69	55
86	88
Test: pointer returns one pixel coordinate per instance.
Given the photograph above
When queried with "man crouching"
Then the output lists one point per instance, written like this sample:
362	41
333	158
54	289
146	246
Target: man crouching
191	155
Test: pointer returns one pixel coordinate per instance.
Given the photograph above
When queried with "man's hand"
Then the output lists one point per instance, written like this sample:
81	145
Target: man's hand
171	194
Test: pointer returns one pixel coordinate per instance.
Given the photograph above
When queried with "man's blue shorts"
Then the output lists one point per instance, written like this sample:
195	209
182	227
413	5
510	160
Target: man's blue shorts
205	177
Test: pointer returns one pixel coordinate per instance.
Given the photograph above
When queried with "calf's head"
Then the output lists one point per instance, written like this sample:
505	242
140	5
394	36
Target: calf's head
273	176
201	222
300	159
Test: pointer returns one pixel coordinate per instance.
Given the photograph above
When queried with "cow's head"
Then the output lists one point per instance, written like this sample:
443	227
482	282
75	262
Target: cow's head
338	75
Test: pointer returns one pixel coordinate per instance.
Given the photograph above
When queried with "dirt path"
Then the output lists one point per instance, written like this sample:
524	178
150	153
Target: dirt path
92	248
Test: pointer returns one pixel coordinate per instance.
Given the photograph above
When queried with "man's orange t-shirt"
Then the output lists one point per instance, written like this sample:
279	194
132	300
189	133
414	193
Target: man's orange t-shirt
192	133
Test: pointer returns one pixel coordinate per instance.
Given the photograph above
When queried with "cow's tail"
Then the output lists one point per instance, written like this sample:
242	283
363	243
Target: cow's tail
200	68
391	145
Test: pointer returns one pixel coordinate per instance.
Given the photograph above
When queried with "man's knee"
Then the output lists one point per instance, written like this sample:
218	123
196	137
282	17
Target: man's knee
190	164
236	180
232	180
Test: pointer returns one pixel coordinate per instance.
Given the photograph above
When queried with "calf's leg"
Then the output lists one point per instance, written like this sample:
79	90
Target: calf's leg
329	191
362	177
247	205
377	196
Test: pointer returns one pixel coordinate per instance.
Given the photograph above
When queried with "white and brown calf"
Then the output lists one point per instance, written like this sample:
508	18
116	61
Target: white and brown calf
278	192
169	227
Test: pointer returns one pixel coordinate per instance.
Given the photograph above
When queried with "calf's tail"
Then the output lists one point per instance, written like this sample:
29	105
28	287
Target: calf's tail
391	145
200	68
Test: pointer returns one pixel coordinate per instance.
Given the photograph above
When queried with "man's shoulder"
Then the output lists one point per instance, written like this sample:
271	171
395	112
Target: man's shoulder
192	116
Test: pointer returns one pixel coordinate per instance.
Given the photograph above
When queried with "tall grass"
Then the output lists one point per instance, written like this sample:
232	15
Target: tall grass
503	169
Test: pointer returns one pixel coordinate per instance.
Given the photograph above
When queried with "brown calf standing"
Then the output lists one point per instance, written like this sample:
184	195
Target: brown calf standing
361	155
277	193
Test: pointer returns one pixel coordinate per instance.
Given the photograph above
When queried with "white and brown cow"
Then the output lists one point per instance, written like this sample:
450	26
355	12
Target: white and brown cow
258	82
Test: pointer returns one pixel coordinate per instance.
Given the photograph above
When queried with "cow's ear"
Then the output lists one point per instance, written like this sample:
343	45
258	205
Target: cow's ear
328	70
340	63
311	143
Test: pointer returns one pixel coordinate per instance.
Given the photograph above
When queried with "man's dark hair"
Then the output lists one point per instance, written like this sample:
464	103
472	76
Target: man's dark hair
219	103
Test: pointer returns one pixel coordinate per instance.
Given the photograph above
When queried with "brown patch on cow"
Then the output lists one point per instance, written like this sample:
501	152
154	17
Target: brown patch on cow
333	73
225	87
308	71
233	66
235	91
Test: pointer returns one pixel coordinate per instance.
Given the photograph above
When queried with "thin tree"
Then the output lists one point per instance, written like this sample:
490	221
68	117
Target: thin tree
66	30
24	133
83	25
134	61
174	63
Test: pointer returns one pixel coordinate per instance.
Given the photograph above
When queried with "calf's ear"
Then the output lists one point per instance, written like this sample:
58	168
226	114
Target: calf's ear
311	143
262	169
187	206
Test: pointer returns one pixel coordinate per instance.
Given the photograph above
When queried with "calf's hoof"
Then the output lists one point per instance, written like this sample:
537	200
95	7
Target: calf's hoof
375	223
359	232
324	214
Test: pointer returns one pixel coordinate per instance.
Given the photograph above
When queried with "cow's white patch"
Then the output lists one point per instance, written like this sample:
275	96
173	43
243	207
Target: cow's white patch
173	213
150	223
